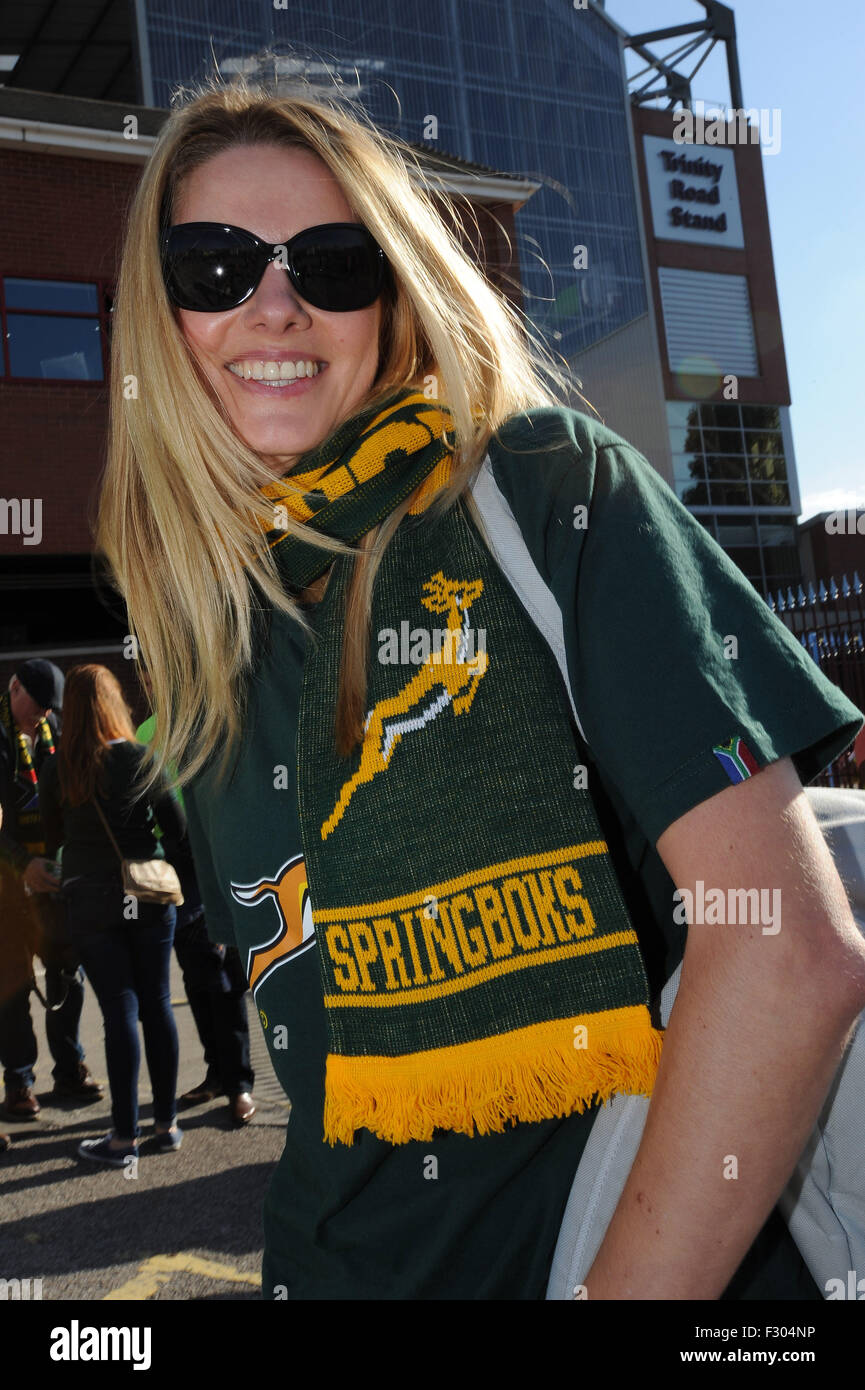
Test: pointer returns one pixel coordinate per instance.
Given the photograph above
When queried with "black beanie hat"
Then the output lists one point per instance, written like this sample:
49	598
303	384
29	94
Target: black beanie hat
43	682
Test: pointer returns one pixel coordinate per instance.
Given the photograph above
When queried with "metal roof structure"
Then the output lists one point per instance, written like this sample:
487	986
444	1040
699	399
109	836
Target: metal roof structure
661	78
74	47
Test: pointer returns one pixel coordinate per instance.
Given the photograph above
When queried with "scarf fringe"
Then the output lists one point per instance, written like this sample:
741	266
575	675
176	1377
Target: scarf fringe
405	1098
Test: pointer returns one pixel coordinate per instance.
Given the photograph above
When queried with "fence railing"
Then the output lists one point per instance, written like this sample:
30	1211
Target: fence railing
829	621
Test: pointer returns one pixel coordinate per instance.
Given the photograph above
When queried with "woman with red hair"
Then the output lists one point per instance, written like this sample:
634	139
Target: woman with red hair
125	945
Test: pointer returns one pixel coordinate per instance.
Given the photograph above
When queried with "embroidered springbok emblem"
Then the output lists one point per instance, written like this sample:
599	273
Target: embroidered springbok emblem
287	890
446	677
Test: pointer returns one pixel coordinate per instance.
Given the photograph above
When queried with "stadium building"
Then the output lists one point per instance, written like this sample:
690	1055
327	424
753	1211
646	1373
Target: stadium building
646	261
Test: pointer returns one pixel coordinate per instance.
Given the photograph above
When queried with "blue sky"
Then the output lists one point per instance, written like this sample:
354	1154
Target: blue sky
808	63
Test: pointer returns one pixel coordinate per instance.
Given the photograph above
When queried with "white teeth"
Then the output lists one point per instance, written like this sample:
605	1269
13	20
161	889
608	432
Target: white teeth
273	371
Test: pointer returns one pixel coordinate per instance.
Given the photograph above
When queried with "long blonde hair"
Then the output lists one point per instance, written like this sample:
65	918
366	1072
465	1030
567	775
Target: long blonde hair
181	517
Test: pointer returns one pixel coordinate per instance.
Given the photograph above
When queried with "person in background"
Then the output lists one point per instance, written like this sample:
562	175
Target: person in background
215	986
29	727
125	945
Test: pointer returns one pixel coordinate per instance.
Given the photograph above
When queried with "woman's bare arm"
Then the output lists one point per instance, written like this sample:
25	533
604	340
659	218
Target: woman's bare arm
756	1034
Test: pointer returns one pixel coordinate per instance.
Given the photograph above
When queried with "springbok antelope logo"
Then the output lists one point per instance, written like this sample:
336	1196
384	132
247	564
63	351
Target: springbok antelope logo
442	680
295	932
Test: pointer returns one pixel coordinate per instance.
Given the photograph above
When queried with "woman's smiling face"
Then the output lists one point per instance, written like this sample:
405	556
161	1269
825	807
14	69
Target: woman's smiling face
276	192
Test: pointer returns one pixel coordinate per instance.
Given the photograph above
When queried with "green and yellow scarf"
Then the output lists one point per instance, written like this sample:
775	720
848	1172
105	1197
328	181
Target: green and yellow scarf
29	821
478	962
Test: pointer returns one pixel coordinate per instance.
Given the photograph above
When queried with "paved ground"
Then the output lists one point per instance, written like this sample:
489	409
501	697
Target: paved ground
187	1226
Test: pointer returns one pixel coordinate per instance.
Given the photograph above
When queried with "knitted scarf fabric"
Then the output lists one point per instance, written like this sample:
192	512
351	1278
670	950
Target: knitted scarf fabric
478	963
353	482
29	820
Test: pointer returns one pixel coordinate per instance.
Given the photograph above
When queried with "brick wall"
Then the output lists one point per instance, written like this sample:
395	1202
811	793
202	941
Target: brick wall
63	218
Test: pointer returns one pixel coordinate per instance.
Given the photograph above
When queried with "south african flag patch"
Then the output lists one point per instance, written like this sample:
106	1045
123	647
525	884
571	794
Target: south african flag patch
736	759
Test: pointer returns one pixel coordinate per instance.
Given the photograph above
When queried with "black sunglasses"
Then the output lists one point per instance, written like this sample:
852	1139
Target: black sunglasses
209	266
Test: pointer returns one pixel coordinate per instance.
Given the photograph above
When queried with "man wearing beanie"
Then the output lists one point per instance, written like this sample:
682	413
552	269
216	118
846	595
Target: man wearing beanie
29	725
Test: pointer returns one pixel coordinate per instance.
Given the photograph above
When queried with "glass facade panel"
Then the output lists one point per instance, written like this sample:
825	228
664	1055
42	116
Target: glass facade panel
60	296
737	530
738	475
682	414
770	494
761	417
53	348
777	533
730	495
763	442
529	88
722	441
692	494
688	466
726	467
678	438
768	470
722	417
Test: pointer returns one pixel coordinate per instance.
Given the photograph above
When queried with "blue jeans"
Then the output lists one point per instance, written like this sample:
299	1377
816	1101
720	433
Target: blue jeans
127	963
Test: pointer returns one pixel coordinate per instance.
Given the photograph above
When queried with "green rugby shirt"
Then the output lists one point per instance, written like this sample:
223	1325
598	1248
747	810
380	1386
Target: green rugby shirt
648	599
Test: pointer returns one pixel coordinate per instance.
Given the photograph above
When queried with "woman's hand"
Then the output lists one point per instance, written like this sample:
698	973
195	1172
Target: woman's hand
38	877
754	1039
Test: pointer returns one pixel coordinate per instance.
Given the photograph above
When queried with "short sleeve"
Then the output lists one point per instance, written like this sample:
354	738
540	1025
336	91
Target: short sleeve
217	911
685	682
684	679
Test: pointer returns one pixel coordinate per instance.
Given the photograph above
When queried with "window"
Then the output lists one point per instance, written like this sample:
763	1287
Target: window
728	456
54	330
692	494
738	449
689	466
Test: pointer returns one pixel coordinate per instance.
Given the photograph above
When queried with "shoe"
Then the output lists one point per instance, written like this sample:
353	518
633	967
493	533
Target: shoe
21	1104
169	1141
81	1087
100	1151
5	1143
200	1095
241	1108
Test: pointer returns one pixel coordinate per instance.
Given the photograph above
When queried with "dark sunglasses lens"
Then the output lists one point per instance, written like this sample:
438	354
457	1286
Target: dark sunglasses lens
338	268
209	269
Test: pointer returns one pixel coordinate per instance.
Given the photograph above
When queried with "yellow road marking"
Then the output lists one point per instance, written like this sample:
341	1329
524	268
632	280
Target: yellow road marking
159	1269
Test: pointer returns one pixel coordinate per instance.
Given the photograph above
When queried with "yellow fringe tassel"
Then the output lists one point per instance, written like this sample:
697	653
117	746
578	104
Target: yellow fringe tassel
536	1073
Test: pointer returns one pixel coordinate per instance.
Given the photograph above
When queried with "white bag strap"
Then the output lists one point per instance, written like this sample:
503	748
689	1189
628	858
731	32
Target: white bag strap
512	554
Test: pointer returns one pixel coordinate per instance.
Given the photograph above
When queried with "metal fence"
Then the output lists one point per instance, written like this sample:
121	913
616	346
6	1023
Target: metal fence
829	621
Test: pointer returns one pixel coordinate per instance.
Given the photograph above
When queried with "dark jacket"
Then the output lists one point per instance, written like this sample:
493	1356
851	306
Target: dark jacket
17	795
86	846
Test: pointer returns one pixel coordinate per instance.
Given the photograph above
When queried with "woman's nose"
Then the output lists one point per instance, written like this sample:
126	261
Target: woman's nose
276	299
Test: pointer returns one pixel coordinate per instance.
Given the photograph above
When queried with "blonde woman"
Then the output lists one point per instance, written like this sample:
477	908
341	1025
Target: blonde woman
454	903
